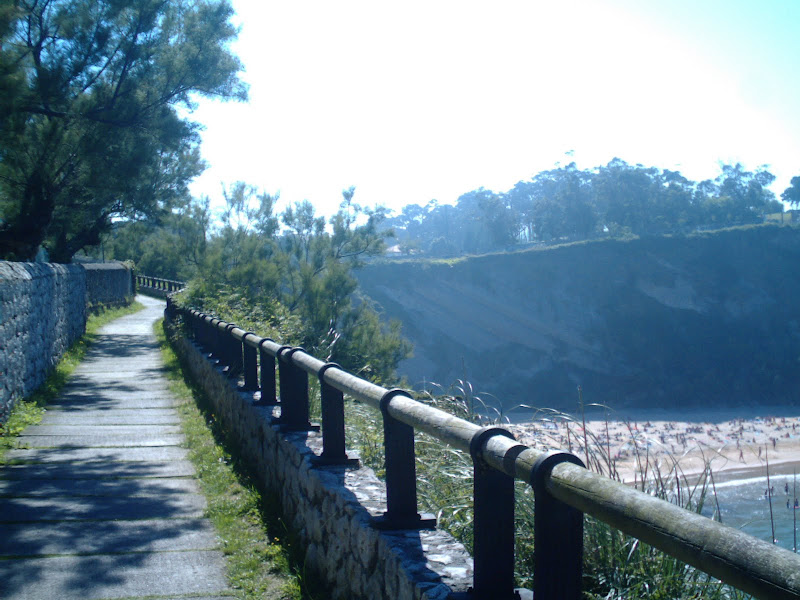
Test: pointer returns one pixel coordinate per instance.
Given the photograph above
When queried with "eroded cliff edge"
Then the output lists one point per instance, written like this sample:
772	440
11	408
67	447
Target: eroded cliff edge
670	321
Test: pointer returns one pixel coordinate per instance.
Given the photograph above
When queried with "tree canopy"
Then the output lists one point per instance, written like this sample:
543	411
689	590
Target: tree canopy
791	195
568	204
293	270
90	128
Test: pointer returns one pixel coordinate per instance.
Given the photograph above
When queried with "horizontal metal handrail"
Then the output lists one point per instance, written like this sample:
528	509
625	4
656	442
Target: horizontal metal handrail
754	566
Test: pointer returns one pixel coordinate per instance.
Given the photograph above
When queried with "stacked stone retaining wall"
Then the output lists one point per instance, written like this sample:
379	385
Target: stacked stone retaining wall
330	508
43	310
108	284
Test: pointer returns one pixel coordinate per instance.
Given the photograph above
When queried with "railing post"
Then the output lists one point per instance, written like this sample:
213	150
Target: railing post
222	344
294	393
201	334
233	349
333	438
217	347
208	333
493	524
188	321
249	364
195	325
267	371
401	473
557	536
170	310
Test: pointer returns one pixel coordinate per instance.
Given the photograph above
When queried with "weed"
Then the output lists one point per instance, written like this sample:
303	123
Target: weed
616	565
264	558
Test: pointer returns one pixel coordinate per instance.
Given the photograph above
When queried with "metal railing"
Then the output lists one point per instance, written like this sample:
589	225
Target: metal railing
161	285
563	489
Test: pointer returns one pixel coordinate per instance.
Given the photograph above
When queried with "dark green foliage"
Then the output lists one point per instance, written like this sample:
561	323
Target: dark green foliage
567	204
172	246
791	195
90	128
294	284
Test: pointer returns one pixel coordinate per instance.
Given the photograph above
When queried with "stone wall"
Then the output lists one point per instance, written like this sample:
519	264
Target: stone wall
108	284
330	508
43	309
42	312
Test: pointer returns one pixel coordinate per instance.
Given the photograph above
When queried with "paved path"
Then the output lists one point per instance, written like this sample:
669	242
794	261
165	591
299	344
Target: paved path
101	501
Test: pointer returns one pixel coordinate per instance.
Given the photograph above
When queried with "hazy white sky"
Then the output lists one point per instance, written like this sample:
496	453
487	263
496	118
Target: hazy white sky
417	100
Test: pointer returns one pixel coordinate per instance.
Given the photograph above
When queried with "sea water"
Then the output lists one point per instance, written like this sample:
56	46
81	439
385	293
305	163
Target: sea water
745	505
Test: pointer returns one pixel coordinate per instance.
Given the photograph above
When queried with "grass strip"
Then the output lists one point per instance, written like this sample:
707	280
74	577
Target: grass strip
29	410
264	560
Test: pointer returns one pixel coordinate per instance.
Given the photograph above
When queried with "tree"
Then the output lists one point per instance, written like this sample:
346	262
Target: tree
562	204
521	200
173	247
485	221
676	206
791	195
305	269
318	267
743	193
244	252
628	195
90	130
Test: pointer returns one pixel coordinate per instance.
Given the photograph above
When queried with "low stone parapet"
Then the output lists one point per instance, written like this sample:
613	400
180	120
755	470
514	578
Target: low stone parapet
108	284
43	309
331	508
42	313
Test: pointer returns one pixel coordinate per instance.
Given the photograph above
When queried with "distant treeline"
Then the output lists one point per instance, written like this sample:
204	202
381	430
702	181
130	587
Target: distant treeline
568	204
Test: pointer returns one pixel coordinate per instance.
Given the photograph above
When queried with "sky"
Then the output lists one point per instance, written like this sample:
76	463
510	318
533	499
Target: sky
419	100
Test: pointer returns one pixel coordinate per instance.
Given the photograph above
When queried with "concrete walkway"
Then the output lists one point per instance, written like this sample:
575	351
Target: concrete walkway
100	501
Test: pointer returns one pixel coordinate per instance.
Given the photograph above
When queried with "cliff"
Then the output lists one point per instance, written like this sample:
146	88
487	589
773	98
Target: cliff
669	321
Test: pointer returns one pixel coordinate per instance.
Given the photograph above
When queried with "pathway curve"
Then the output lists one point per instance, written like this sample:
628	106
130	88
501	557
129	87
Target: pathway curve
100	500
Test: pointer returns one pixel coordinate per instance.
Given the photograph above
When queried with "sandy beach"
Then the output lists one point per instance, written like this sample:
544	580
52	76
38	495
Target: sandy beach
736	443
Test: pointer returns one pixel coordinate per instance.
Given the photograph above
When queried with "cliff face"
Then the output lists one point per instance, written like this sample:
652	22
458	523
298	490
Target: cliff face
668	322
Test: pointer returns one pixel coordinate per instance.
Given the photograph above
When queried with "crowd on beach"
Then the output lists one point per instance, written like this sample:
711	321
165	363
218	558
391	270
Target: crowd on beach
623	445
